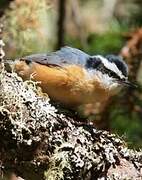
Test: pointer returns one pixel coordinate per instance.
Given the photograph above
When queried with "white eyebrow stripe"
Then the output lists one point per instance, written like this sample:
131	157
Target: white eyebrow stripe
111	66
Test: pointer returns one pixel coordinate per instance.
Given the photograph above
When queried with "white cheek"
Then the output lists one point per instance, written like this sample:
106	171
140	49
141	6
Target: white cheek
115	88
104	79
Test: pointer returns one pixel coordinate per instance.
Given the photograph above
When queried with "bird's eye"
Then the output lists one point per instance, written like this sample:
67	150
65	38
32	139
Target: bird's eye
111	74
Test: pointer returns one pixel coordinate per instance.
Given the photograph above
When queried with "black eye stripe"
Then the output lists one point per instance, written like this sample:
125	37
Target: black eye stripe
104	70
113	74
118	61
96	63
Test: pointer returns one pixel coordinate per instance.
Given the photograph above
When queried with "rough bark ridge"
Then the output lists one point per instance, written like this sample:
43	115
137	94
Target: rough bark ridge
37	142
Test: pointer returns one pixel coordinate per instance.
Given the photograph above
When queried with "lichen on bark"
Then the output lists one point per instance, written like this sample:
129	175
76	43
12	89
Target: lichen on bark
36	141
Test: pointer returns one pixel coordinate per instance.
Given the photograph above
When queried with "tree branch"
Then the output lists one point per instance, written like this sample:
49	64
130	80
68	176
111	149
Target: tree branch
37	141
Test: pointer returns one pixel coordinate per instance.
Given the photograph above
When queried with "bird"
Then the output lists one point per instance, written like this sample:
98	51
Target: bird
74	78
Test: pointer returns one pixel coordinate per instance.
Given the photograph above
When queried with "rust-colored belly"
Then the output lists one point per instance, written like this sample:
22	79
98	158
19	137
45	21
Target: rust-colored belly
67	85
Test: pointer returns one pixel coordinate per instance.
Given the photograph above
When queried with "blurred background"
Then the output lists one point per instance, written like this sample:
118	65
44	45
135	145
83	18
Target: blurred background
95	26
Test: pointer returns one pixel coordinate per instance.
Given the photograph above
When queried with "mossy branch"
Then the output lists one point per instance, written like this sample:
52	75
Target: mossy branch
38	142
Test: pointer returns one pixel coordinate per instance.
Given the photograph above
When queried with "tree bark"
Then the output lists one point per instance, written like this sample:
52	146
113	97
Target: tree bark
38	142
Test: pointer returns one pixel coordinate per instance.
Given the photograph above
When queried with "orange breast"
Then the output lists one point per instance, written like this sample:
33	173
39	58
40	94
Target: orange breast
61	84
68	85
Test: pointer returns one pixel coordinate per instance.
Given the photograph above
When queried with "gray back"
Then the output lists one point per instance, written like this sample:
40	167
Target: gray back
65	56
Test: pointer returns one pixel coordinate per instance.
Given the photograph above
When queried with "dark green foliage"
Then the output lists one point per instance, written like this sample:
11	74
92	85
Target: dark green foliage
106	43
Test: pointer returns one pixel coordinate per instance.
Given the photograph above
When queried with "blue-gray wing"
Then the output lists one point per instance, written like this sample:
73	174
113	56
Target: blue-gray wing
64	56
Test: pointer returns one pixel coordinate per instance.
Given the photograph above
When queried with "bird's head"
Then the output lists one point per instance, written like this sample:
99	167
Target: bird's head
111	71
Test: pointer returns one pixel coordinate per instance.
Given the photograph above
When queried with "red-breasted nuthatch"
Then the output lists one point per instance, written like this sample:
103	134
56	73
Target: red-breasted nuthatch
74	78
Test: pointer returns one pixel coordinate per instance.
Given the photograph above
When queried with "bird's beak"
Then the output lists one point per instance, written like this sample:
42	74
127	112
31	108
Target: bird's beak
128	83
